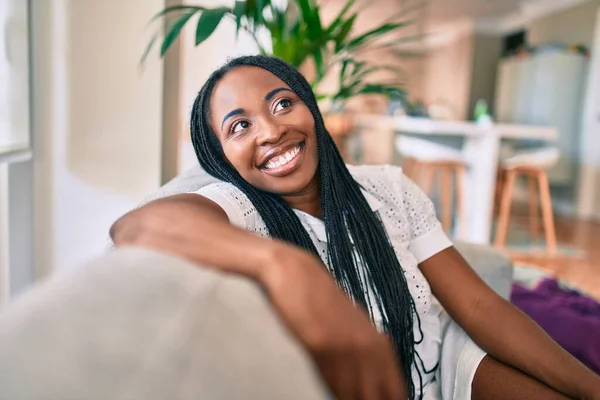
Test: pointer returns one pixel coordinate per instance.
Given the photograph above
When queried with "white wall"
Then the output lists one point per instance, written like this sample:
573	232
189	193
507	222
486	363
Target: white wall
96	122
571	26
487	51
448	78
589	182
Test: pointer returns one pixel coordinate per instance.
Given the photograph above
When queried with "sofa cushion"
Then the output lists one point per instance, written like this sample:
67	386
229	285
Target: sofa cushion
188	181
493	266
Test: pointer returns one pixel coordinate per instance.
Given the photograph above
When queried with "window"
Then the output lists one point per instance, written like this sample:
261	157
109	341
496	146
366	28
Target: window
14	80
15	143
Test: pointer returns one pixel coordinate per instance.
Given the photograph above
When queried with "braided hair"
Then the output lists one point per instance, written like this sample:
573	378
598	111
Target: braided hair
347	216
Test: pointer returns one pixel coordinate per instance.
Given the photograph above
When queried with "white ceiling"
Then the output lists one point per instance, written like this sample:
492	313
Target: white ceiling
503	13
444	11
442	21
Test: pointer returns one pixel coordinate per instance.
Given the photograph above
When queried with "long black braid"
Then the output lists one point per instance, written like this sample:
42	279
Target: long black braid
347	215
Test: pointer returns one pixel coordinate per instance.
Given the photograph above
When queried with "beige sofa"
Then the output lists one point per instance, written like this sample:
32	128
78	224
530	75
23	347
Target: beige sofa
138	324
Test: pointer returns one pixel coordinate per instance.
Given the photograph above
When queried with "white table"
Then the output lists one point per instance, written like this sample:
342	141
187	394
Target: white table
481	150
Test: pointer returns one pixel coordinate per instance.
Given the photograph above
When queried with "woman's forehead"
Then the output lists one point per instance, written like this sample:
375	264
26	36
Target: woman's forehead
245	80
243	87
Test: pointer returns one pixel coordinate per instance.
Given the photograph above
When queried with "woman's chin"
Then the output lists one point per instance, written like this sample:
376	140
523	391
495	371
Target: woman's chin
299	182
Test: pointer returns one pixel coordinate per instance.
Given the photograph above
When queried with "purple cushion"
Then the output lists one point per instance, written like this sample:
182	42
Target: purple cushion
570	318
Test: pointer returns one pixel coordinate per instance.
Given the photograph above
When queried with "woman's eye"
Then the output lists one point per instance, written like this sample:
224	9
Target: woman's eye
239	126
283	103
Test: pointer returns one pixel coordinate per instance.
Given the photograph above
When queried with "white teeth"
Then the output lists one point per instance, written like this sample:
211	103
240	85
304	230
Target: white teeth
283	159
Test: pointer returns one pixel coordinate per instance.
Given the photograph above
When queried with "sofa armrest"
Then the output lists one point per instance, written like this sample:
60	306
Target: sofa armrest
136	324
494	267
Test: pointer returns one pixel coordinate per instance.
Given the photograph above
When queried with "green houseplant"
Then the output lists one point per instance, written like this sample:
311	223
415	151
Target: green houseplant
297	35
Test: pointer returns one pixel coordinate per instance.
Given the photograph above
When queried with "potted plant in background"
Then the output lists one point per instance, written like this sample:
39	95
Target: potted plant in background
299	36
353	81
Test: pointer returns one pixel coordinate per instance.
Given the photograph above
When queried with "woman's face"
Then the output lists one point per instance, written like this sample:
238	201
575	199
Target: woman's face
267	132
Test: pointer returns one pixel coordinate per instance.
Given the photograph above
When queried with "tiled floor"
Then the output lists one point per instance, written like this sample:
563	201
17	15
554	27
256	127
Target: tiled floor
583	271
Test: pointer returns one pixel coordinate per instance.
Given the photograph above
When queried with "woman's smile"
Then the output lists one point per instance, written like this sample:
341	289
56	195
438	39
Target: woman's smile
284	159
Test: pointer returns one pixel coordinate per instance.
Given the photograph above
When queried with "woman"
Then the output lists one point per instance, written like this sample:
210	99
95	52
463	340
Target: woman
256	127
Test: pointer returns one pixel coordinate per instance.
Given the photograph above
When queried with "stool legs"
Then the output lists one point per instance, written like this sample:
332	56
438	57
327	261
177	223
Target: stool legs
424	174
534	175
534	220
461	173
408	167
504	214
446	198
547	215
427	175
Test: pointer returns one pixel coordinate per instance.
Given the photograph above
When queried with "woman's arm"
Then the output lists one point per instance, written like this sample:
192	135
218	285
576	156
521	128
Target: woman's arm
353	358
503	330
194	227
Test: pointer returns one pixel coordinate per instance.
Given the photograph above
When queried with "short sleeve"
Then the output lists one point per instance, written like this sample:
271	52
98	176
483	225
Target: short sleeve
238	207
427	236
225	196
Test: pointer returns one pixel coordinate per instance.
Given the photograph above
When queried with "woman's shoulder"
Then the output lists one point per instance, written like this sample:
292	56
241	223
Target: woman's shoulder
224	191
233	201
384	175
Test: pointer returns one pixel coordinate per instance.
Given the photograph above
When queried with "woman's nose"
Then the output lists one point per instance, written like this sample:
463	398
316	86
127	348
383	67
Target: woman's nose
270	131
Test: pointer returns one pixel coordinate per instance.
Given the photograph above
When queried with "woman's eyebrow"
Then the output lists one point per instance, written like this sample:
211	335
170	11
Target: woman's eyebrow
273	92
230	114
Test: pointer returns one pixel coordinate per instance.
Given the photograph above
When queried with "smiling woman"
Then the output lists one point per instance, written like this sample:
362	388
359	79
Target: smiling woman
310	226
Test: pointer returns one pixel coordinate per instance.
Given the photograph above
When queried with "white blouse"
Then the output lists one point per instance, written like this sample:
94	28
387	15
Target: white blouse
412	226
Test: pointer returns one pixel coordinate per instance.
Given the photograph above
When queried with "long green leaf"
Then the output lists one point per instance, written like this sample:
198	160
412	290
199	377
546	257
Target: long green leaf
357	68
171	9
260	6
250	14
338	20
148	48
284	30
239	9
319	64
377	32
393	43
407	11
377	68
373	88
317	30
343	34
345	63
254	12
208	22
175	30
307	13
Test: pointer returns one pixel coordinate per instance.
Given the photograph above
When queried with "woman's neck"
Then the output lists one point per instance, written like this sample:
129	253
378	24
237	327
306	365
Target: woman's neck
309	200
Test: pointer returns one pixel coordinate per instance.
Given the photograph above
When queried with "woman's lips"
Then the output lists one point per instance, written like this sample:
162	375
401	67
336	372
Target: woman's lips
286	163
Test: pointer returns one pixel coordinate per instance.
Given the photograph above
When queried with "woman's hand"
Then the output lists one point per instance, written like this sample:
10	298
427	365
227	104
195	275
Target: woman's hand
356	361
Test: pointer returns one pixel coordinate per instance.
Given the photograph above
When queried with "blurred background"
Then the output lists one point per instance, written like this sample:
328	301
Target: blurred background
492	106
